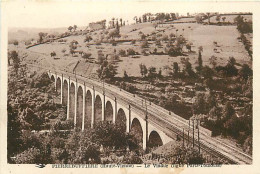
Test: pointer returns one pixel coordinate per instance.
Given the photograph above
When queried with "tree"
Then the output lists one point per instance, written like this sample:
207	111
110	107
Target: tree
200	49
136	19
73	46
199	18
75	27
187	67
152	72
199	67
126	75
208	15
224	18
213	61
88	38
70	28
230	68
121	21
218	18
155	25
188	46
41	36
181	41
245	72
199	106
207	72
175	68
228	111
16	43
143	70
106	70
215	113
14	131
16	60
173	16
53	54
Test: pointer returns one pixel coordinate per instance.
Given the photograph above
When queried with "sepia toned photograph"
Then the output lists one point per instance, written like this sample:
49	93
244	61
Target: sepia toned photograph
124	87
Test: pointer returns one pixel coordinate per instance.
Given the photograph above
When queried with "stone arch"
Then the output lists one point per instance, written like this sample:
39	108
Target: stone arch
137	130
154	140
97	109
72	96
79	115
121	119
88	109
109	112
65	92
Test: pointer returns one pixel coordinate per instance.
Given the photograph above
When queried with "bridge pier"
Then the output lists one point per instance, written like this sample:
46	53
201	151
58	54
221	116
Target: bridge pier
145	132
84	105
61	90
93	108
103	108
115	111
75	108
68	103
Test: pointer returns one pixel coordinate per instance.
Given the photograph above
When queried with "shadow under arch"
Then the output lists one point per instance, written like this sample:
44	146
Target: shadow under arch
109	112
137	131
98	110
121	119
79	108
88	109
154	140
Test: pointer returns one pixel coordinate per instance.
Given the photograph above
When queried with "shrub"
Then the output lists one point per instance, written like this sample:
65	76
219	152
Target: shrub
86	55
133	42
122	53
131	51
144	53
144	44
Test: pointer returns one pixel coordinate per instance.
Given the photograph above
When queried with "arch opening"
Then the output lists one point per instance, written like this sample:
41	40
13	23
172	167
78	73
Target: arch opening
109	112
58	87
72	102
52	78
137	131
154	140
65	93
79	108
98	110
121	119
88	109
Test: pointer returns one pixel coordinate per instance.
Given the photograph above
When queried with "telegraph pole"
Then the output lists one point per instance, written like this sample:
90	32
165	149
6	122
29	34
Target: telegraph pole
193	132
183	137
198	136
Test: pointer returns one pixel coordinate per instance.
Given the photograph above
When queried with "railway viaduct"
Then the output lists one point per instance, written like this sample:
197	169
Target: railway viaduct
89	101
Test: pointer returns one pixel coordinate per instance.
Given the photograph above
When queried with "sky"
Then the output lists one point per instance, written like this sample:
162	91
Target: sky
55	14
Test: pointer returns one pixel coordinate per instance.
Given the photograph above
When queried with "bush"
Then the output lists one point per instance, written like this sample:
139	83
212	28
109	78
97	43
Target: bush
144	53
144	44
133	42
122	53
131	51
86	55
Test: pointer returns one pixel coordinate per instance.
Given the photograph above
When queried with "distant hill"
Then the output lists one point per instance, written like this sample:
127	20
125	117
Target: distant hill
32	33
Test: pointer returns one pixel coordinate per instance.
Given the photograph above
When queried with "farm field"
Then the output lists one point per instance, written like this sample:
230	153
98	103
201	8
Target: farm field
199	35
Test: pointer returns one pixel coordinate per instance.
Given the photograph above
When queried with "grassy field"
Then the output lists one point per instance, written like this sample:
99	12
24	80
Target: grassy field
199	35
